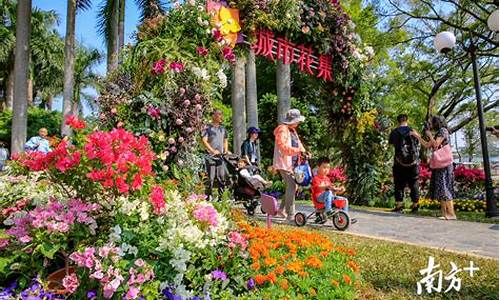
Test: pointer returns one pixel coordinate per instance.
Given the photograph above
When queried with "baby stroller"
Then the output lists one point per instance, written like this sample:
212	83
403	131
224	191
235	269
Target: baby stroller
340	218
245	191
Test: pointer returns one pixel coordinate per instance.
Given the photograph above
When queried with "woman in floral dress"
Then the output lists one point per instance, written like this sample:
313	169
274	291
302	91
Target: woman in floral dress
441	187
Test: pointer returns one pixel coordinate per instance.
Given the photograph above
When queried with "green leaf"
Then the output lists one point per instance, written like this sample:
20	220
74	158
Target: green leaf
4	263
48	250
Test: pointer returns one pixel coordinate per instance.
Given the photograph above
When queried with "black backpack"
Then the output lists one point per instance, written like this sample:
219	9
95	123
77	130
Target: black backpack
409	150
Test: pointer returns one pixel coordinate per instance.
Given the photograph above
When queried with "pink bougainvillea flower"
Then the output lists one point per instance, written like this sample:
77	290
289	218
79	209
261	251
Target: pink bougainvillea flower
132	293
206	213
171	141
157	199
74	122
202	51
153	112
182	91
186	102
158	67
177	67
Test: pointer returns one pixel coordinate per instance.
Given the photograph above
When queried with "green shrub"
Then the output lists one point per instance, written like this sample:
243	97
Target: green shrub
37	118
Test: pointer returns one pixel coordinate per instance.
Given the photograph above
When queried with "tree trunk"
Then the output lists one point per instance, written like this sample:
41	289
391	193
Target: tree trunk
283	90
21	61
238	104
75	108
30	92
121	26
113	39
251	94
9	94
69	65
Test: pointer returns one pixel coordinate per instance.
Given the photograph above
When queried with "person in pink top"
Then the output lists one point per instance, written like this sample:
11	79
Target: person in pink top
287	148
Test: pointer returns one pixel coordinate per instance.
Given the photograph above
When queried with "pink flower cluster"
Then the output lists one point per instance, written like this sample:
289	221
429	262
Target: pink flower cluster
60	158
100	262
157	199
206	213
70	283
158	67
217	35
54	217
469	175
202	51
337	175
236	239
228	54
18	206
154	112
74	122
177	67
121	159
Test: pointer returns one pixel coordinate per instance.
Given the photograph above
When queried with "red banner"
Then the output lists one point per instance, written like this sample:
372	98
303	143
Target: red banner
281	49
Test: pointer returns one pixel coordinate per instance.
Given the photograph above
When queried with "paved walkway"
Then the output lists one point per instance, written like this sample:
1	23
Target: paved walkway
470	237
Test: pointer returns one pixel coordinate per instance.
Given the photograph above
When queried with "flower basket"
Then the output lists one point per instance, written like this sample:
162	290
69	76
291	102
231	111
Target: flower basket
55	280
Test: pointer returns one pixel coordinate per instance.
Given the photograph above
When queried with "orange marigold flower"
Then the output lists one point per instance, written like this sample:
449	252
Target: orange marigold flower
314	262
255	266
354	267
324	253
260	279
295	266
279	270
272	277
283	284
347	279
351	252
269	261
303	274
335	282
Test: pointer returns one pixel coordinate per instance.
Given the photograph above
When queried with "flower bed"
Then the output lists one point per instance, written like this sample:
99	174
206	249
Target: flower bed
459	204
112	230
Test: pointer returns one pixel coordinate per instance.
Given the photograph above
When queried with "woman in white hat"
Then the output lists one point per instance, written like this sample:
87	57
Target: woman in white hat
287	148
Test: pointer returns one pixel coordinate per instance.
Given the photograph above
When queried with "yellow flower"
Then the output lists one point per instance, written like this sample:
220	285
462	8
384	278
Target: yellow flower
228	23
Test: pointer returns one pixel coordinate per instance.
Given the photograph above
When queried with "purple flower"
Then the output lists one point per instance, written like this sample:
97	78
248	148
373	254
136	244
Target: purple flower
218	274
92	294
251	284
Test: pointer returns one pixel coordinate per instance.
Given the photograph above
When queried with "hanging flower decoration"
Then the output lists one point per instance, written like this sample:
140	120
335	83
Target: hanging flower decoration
226	20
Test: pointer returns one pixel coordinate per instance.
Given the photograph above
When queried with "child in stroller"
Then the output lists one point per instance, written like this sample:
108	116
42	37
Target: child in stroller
246	184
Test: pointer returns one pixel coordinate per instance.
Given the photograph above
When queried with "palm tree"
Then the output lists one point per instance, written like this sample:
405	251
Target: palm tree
111	22
21	63
84	77
69	58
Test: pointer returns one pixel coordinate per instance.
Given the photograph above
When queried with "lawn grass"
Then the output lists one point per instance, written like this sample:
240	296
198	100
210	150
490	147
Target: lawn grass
390	270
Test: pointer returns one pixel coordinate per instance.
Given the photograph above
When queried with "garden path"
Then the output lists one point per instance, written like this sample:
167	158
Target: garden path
459	236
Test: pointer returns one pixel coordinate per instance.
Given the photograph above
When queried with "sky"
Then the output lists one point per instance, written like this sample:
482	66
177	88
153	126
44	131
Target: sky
86	31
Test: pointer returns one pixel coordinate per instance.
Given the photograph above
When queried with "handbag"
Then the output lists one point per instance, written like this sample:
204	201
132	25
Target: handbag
442	157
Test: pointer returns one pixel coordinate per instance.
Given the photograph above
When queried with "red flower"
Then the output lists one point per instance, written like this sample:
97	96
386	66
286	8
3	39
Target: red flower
74	122
217	35
137	182
154	112
157	199
158	67
177	67
202	51
228	54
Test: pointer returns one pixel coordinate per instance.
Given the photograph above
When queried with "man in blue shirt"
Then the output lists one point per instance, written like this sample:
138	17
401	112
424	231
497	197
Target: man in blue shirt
38	143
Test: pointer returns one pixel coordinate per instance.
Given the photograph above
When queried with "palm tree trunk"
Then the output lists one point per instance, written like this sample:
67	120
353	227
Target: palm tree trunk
251	94
69	65
21	61
283	89
30	92
121	26
9	93
238	104
113	39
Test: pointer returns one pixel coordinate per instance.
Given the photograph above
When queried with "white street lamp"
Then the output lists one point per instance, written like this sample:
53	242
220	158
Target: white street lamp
444	41
493	21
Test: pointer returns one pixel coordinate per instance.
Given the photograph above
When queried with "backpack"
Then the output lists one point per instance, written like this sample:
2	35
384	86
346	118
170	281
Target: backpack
409	150
303	174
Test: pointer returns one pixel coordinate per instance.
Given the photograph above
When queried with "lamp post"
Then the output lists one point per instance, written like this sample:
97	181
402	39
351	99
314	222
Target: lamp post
444	42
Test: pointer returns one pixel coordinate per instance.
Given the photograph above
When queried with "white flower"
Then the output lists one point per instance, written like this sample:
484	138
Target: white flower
201	8
114	236
356	54
222	78
192	2
200	21
369	51
201	73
